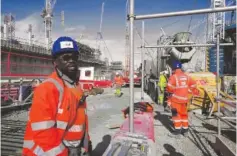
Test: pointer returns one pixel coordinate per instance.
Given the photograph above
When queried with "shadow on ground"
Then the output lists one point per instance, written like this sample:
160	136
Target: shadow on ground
165	120
228	133
102	146
172	151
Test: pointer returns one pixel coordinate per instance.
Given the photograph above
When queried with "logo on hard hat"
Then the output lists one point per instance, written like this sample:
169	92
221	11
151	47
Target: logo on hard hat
66	44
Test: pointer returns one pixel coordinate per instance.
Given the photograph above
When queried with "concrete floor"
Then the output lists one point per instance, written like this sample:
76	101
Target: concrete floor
106	109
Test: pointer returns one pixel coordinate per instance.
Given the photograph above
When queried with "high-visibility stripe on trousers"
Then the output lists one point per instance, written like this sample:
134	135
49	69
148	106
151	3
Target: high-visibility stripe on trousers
179	115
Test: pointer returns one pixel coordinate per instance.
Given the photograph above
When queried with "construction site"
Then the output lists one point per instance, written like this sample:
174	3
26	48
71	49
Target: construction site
119	125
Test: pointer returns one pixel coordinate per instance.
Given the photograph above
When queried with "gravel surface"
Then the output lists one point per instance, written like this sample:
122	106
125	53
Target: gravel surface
106	109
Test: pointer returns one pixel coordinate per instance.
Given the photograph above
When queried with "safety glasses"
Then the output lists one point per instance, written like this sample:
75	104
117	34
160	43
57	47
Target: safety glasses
68	57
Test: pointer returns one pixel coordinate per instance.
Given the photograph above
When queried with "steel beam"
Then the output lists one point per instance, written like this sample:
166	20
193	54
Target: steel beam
184	13
225	121
229	118
131	72
217	80
142	60
228	102
188	45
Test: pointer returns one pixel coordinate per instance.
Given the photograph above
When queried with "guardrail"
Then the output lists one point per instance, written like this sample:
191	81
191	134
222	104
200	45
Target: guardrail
19	45
220	143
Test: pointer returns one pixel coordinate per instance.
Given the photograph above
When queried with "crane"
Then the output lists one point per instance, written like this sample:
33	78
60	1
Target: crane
99	37
99	34
47	15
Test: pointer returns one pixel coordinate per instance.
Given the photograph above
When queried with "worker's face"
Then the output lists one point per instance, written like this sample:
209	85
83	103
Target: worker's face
68	63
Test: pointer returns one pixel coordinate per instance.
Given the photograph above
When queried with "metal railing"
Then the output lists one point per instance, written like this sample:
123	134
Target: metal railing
226	119
22	45
132	17
13	44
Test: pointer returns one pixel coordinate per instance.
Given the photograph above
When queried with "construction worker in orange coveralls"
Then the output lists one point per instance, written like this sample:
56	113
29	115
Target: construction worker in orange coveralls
58	123
118	81
179	86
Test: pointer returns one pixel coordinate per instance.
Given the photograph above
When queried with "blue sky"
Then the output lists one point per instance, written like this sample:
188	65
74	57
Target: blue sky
83	17
88	11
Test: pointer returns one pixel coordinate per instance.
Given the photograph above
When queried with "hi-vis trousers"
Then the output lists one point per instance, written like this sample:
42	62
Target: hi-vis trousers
179	115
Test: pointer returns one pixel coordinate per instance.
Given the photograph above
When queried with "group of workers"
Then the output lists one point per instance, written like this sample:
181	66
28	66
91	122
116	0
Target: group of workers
58	121
174	94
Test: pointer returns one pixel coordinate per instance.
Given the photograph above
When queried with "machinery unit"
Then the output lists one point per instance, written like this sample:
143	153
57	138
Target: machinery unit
162	60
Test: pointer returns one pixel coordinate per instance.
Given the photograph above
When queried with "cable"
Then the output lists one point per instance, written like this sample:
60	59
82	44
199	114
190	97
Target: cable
106	47
145	42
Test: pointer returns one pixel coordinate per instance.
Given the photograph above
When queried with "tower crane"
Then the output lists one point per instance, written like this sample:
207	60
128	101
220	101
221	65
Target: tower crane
47	15
99	34
99	37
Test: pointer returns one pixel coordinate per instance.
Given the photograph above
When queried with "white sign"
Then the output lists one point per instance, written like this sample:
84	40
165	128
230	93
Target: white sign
66	44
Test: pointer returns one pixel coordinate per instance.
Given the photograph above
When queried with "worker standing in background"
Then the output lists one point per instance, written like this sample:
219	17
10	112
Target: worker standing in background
58	123
162	85
179	85
118	81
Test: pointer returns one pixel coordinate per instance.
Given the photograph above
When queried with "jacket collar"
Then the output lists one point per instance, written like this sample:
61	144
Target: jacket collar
69	82
178	71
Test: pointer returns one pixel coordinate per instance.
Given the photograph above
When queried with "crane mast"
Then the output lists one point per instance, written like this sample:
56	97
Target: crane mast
216	22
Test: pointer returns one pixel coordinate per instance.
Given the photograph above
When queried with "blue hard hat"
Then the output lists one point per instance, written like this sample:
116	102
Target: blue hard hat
63	45
177	65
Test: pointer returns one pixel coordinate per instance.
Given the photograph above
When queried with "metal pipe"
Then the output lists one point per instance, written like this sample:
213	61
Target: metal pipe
131	72
142	60
225	121
183	13
228	102
230	118
188	45
217	80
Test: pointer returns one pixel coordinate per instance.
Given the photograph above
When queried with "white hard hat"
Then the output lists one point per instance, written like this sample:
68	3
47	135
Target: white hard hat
164	72
117	73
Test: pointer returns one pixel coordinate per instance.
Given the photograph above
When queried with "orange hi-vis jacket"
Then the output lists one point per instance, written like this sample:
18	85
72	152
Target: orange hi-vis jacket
56	119
180	84
118	80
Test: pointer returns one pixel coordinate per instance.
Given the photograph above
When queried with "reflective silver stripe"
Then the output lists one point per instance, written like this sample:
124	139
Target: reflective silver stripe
72	143
177	127
39	151
42	125
59	87
185	127
177	82
179	97
28	144
184	120
192	86
56	150
76	128
170	85
182	87
177	120
61	124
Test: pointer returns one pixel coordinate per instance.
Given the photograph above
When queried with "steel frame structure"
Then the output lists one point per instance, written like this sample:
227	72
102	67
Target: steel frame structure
132	17
188	45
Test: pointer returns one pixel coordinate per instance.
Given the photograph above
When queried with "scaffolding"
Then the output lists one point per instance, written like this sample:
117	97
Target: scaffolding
133	17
